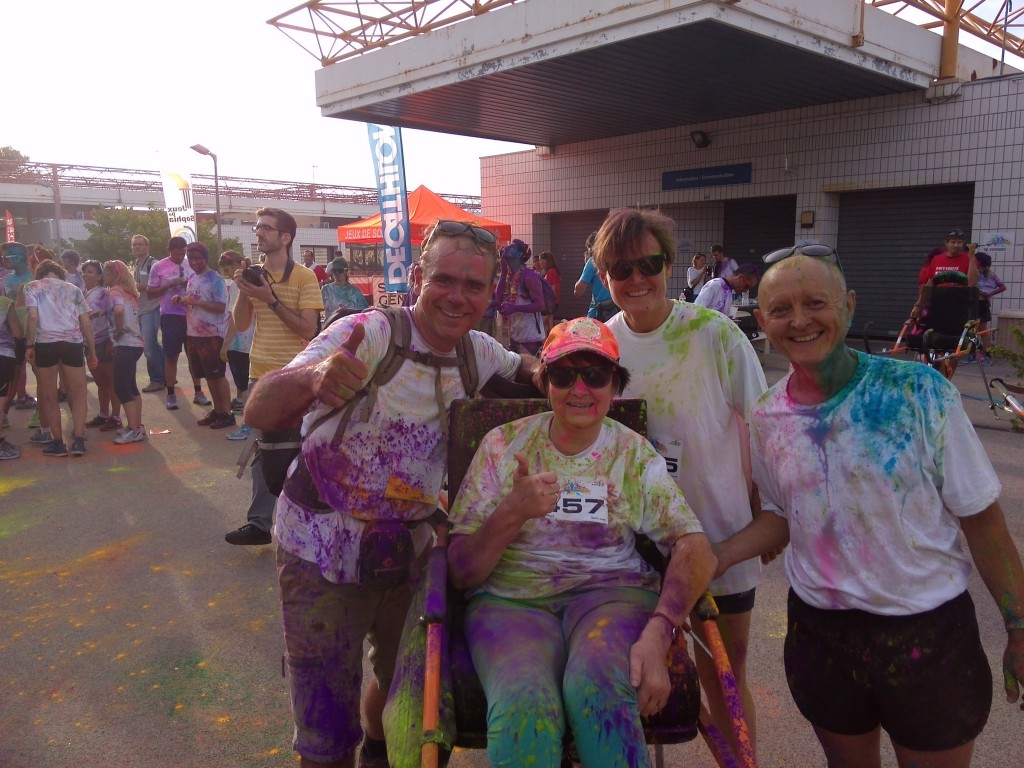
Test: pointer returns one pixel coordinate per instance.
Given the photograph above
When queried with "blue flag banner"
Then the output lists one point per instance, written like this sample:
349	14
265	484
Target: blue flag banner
389	166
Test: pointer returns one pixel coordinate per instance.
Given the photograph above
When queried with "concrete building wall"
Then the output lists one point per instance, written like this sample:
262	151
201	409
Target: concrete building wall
815	153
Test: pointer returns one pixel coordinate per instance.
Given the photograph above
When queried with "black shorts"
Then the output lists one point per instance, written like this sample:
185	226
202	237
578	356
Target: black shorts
924	678
172	330
69	353
738	602
8	367
19	351
984	311
105	351
204	356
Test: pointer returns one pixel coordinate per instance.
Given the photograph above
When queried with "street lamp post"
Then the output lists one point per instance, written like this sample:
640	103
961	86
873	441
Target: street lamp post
216	193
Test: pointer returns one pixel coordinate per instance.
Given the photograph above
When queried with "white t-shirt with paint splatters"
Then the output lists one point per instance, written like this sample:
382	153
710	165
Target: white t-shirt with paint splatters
700	377
617	487
873	482
392	462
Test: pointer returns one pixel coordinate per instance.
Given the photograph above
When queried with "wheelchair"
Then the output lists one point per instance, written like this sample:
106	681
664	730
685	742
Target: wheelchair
946	331
436	702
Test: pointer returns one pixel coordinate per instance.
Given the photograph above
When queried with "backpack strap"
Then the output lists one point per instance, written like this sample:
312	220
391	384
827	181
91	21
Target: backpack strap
386	370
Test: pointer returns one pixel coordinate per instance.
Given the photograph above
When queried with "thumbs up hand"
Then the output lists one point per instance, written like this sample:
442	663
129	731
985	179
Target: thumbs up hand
337	379
534	495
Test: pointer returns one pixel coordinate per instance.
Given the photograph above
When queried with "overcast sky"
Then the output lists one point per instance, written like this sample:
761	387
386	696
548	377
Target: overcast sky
133	84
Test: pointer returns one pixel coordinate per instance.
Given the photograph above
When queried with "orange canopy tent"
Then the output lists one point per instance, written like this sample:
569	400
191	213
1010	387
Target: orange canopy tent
425	208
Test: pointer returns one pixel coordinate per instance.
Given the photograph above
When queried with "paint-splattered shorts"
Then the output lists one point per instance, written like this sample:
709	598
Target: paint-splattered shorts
554	660
324	628
204	356
924	678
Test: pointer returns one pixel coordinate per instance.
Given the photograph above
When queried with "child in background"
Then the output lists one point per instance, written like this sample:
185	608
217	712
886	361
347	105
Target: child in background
237	344
989	285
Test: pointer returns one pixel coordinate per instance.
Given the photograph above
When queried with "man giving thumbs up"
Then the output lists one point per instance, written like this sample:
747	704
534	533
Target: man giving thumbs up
340	558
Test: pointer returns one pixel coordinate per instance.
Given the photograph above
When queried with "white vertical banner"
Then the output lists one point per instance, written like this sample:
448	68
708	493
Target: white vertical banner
181	210
389	167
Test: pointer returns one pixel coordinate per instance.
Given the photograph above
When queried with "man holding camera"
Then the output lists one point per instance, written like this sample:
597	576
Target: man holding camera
283	299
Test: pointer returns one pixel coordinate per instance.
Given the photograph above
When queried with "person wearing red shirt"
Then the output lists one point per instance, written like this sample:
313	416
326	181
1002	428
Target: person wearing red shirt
309	260
954	258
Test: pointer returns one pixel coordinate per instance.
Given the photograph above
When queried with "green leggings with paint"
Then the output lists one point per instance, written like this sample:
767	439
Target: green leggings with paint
560	660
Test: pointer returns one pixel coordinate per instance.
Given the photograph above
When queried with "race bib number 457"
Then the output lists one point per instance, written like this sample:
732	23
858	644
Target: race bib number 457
583	500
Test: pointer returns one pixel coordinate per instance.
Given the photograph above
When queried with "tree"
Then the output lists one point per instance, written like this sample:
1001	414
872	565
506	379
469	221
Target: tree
12	163
111	230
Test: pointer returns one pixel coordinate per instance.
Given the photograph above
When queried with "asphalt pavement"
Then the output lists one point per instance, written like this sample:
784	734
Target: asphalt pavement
131	634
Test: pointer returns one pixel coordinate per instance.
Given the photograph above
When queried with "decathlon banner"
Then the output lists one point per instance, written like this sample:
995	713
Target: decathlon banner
389	166
9	220
181	211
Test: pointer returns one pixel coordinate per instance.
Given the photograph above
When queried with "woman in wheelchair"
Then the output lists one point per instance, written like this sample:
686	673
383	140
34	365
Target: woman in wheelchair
566	623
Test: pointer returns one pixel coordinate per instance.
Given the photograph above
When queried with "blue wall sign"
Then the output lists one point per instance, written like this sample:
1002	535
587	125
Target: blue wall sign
707	177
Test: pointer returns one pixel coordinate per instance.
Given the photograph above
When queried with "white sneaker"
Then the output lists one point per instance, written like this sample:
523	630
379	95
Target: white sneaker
131	436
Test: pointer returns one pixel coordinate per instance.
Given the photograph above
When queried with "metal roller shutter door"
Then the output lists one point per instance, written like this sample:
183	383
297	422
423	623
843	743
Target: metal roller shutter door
884	236
569	232
756	226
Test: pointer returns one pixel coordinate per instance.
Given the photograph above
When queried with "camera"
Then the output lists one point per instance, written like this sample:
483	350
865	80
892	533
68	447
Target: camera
253	275
709	271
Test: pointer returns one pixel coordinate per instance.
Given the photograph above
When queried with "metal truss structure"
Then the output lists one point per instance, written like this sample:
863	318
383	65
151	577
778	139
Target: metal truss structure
334	31
98	177
346	28
972	16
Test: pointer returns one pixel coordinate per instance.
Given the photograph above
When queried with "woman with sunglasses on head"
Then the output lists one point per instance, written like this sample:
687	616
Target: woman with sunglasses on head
565	623
700	377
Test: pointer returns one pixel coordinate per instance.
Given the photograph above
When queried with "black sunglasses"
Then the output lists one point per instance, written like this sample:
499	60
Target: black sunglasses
594	376
814	250
649	266
453	228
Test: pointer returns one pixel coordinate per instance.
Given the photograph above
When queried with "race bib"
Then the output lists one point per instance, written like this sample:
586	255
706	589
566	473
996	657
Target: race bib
671	450
583	500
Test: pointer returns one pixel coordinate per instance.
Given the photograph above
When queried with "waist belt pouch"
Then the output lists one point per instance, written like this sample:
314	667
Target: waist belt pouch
385	554
605	309
302	490
277	450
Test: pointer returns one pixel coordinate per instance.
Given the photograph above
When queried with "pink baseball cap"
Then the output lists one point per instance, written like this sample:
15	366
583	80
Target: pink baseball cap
584	334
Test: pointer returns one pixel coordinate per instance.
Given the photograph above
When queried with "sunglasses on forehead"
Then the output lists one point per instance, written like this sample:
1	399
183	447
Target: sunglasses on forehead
649	266
814	250
594	376
454	228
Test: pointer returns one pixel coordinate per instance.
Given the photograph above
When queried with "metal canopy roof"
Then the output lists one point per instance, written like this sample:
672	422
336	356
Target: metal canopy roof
681	76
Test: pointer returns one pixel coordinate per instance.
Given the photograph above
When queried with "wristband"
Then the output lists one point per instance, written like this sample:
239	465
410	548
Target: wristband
30	345
671	624
1015	624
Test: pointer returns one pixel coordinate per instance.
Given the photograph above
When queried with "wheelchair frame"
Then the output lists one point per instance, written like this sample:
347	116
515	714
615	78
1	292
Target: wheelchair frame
436	606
